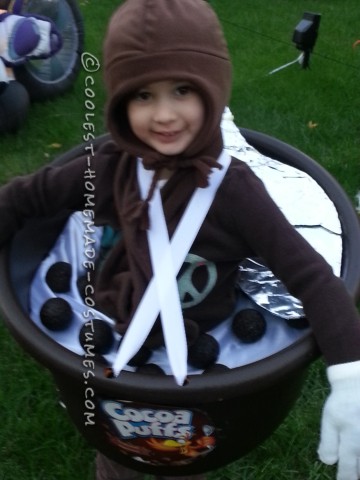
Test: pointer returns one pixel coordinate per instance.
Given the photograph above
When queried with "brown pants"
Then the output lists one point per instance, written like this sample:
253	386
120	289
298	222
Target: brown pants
106	469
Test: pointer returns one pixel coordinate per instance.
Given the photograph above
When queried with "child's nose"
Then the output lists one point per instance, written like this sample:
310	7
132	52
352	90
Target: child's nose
164	112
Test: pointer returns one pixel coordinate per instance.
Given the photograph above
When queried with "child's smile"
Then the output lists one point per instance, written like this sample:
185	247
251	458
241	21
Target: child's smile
166	115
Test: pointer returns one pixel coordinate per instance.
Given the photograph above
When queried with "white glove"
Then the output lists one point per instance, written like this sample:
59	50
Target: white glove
340	425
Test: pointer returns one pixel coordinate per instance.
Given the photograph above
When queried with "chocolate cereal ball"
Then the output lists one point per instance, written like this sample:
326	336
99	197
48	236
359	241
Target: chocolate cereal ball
56	314
249	325
204	351
58	277
216	368
97	336
141	357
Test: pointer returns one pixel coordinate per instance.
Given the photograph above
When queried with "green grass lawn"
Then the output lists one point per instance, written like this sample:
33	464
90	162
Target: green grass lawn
316	110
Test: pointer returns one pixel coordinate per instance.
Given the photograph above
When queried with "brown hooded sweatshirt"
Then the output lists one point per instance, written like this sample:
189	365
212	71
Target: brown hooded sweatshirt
152	40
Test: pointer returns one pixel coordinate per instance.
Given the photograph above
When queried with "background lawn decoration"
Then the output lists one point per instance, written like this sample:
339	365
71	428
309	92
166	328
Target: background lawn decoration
40	47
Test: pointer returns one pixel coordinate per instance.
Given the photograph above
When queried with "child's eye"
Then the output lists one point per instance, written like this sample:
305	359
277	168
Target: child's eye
142	96
183	89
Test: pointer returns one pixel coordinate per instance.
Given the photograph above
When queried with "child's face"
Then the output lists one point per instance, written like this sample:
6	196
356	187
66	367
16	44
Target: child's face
166	115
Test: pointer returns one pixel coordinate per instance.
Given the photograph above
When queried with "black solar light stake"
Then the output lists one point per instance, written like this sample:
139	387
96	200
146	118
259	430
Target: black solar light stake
305	35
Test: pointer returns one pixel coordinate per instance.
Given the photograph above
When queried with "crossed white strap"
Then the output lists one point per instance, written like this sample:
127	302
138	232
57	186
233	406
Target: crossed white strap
161	295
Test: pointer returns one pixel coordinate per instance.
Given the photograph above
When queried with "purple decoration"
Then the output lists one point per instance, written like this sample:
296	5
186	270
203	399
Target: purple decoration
26	37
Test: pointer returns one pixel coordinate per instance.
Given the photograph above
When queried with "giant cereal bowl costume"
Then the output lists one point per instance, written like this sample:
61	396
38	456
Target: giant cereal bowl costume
146	421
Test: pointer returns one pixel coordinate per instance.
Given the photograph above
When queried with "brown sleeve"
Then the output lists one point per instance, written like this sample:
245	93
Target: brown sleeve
328	306
52	189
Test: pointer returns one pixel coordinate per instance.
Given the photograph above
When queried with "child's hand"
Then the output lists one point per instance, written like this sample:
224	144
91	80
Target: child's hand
340	428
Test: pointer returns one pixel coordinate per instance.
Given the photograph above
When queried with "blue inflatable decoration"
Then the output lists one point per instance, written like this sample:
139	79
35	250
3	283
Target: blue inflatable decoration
39	54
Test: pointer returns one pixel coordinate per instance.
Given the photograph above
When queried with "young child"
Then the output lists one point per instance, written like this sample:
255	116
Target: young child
168	79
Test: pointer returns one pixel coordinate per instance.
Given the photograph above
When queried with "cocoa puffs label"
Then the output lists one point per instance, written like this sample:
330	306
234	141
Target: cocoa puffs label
158	435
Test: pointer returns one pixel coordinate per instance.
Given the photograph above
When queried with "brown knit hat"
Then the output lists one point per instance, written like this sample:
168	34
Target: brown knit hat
153	40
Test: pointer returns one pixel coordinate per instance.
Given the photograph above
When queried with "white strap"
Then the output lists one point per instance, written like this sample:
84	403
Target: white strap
167	289
173	254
